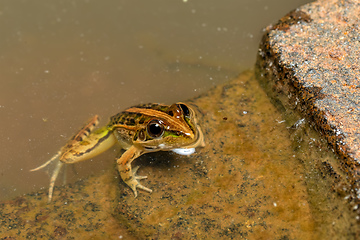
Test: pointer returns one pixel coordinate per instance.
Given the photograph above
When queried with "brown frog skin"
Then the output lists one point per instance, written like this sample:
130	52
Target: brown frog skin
138	130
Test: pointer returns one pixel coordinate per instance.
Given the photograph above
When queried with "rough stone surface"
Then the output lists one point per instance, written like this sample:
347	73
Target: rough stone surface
81	211
310	61
246	183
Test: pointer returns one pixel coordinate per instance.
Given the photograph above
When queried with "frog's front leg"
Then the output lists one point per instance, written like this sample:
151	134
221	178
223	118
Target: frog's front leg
127	174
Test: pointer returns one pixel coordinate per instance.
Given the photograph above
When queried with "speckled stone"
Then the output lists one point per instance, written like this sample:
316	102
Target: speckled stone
248	182
310	61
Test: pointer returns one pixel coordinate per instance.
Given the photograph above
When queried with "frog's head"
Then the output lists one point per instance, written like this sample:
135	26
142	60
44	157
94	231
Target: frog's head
173	127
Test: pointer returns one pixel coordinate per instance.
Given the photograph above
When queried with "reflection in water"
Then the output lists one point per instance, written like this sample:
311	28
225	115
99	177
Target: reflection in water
62	62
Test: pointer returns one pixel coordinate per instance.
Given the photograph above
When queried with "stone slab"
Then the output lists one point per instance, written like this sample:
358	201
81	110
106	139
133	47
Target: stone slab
246	183
310	61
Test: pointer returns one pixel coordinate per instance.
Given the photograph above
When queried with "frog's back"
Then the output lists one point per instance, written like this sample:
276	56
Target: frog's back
131	117
154	106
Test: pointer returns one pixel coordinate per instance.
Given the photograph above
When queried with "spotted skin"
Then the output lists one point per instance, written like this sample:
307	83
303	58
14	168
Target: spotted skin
138	130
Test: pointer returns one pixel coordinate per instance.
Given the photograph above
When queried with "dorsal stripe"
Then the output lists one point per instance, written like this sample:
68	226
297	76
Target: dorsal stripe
159	114
85	130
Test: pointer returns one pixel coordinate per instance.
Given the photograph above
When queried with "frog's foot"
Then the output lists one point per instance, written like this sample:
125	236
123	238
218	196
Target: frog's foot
133	182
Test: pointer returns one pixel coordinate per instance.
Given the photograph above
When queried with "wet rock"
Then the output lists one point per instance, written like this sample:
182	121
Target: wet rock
247	182
254	179
236	187
81	211
310	61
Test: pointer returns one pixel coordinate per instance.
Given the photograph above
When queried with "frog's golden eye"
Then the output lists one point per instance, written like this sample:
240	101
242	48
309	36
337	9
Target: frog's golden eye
155	129
185	110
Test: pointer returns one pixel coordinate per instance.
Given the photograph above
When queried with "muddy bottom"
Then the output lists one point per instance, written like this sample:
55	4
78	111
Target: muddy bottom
258	177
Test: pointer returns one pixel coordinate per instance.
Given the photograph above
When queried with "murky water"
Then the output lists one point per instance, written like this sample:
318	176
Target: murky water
250	181
62	62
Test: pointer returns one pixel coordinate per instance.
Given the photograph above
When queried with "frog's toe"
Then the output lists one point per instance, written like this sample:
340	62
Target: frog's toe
144	188
133	183
136	176
134	170
140	177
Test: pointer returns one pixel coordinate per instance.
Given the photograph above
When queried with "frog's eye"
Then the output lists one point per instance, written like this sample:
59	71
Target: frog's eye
155	129
185	110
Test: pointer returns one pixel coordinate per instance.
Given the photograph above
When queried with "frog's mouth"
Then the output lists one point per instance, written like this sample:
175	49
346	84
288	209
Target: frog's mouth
190	149
199	142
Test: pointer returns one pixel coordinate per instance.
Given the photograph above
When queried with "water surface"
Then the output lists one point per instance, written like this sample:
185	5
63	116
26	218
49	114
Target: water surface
62	62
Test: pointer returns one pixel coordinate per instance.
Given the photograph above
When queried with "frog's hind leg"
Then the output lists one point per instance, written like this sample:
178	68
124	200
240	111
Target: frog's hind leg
47	163
55	173
53	179
85	144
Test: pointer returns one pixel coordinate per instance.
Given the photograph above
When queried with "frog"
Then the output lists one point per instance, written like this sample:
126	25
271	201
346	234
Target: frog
138	130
